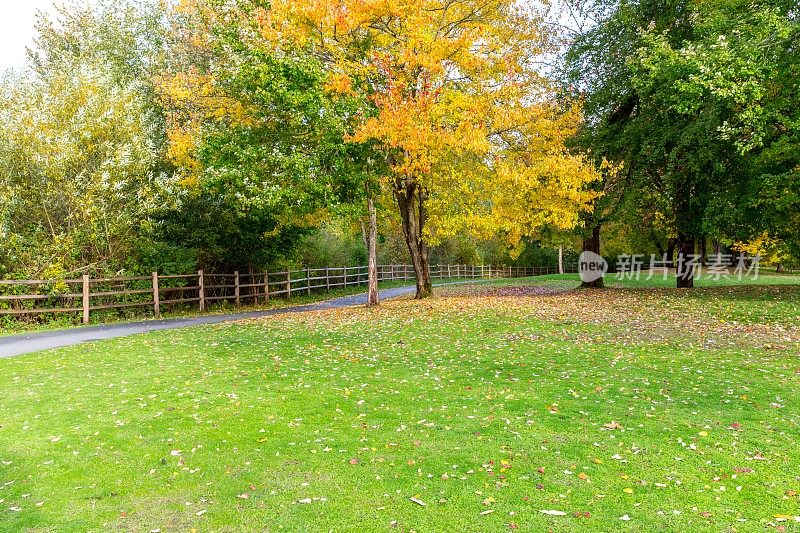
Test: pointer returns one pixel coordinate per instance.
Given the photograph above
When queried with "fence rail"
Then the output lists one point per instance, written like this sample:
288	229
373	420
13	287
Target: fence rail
84	295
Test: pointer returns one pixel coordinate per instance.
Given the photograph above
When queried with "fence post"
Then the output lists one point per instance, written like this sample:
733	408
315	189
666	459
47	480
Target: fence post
288	284
156	298
86	298
308	281
328	279
266	286
201	293
236	291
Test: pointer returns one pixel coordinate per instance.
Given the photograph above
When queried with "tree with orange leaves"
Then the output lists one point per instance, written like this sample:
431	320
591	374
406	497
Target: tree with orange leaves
469	131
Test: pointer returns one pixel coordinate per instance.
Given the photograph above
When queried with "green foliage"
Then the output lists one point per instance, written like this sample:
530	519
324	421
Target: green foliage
80	156
740	59
334	244
79	171
266	156
698	101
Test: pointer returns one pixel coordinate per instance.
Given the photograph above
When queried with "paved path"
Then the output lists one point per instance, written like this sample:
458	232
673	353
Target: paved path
34	342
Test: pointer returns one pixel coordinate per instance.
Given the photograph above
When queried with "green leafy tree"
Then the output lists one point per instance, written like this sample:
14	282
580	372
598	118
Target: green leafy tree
80	157
676	153
741	58
258	141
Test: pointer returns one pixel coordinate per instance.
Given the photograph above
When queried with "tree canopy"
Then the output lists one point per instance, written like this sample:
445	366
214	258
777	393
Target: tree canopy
240	134
688	97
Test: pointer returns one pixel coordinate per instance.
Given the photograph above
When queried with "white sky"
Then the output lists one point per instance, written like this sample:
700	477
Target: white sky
16	29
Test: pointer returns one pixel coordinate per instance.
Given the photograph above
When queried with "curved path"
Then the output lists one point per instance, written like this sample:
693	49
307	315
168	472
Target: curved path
34	342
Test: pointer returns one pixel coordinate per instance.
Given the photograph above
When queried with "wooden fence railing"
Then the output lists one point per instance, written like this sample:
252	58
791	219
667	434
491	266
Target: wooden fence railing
84	295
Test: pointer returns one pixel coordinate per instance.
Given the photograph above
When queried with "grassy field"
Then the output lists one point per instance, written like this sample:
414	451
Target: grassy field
516	405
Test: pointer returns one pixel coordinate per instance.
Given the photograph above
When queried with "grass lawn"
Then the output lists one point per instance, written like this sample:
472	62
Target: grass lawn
493	407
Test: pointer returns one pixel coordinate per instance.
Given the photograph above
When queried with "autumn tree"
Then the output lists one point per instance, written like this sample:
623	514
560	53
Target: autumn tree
471	136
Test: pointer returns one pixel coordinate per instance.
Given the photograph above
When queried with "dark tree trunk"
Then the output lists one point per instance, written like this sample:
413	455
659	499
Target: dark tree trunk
413	212
670	257
372	249
685	271
592	244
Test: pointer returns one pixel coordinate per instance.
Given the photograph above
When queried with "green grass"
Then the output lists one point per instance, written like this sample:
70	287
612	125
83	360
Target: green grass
488	405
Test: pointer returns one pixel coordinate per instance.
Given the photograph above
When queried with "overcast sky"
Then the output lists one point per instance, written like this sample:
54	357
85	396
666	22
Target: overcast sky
16	29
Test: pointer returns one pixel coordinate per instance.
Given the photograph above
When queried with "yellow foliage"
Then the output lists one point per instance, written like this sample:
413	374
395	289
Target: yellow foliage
768	248
458	105
191	97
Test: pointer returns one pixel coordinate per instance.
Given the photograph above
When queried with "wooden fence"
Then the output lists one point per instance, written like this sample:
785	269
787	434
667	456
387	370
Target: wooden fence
84	295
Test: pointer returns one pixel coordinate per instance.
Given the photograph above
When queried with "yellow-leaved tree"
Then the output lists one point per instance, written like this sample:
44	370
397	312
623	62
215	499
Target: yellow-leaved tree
472	132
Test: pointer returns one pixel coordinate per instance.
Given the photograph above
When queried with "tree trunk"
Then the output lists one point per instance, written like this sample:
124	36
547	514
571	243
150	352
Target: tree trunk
670	257
592	244
413	212
364	235
685	270
560	259
372	248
